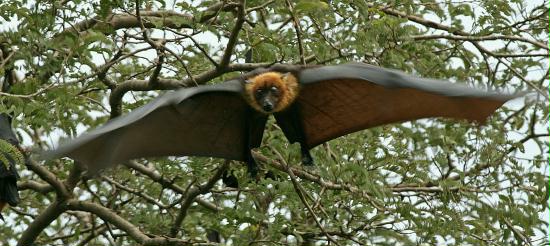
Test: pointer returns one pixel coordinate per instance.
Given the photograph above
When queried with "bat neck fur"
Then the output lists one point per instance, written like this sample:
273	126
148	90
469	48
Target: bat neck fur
286	83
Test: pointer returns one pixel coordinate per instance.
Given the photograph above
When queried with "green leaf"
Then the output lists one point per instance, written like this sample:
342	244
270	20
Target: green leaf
311	6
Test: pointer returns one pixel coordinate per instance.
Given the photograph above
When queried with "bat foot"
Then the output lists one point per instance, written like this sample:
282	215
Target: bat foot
229	179
271	175
252	169
307	160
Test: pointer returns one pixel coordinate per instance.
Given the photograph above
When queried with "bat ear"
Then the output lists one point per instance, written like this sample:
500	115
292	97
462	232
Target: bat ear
285	75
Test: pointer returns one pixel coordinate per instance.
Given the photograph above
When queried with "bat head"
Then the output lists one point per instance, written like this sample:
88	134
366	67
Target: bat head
271	92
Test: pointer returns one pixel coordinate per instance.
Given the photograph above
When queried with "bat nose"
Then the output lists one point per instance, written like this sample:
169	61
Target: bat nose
267	106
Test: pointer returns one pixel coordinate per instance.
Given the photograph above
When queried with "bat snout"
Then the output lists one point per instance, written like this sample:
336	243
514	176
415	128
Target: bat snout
267	106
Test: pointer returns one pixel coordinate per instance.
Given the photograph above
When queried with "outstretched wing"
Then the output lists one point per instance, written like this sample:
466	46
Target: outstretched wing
200	121
341	99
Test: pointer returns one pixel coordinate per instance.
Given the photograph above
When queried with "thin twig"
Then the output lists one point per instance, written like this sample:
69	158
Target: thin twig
517	232
298	32
301	194
165	183
192	194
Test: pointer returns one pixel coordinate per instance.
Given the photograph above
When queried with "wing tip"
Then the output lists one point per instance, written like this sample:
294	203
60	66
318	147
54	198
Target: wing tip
510	96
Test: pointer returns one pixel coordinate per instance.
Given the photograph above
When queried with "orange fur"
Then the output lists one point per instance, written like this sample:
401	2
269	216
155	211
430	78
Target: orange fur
288	87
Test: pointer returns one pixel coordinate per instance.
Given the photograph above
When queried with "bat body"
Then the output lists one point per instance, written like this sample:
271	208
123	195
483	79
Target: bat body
10	155
311	105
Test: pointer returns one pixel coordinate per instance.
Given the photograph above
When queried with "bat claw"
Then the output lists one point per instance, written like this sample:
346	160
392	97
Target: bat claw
307	160
230	180
252	170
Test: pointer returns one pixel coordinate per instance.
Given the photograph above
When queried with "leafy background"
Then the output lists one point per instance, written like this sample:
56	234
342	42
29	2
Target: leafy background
73	65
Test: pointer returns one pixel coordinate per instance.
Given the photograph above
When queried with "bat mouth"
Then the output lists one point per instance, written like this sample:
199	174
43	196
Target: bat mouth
268	107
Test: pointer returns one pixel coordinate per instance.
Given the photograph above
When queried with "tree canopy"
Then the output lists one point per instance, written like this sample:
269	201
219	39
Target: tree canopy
68	66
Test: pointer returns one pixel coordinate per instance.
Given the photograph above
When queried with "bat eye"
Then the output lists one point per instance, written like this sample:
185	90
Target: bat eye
273	89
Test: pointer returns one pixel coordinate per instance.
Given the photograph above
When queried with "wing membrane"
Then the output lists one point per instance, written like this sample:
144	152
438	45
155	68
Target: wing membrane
202	121
337	100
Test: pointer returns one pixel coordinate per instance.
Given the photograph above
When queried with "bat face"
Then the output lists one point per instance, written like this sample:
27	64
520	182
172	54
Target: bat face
271	92
268	97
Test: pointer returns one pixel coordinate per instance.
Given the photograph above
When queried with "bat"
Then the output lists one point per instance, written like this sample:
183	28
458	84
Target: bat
311	104
10	155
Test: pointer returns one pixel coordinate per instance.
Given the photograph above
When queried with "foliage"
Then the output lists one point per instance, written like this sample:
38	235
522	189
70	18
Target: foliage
72	65
10	154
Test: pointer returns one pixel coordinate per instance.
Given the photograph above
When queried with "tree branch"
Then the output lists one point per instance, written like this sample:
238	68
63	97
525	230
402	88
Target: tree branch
474	38
193	193
165	183
115	98
108	216
296	25
301	194
233	37
35	185
49	177
51	213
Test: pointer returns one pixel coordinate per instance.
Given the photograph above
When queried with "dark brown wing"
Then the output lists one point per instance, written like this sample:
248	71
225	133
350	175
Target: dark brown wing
337	100
201	121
